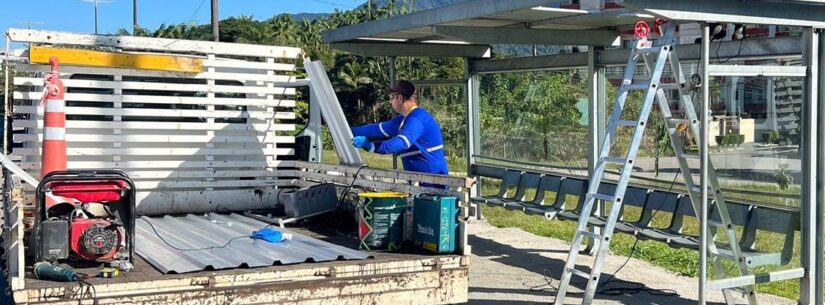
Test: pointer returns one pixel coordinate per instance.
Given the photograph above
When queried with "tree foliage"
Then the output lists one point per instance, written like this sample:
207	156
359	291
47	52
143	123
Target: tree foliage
540	107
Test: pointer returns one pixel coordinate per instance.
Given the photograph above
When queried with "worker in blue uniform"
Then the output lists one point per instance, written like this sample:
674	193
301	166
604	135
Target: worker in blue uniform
413	134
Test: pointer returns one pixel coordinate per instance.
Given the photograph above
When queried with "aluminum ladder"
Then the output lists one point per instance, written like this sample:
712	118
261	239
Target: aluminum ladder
655	57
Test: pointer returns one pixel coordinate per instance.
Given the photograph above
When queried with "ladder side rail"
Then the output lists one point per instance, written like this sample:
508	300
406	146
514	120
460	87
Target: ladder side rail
719	199
595	179
621	185
717	264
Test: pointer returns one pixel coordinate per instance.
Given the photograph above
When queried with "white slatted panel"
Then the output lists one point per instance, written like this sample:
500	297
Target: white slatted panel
180	136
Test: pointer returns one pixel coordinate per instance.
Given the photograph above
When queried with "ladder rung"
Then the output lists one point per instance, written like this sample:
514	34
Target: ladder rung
698	189
641	86
591	234
579	273
674	122
715	223
648	50
751	279
639	80
626	123
689	156
603	197
670	86
616	160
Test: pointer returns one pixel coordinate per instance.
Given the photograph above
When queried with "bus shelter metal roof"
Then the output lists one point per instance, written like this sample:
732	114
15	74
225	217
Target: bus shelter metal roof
467	29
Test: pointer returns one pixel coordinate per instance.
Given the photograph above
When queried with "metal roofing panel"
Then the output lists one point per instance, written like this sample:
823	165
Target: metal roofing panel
217	241
454	12
613	17
536	13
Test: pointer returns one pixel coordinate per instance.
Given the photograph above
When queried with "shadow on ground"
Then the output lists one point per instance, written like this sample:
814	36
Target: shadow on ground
538	270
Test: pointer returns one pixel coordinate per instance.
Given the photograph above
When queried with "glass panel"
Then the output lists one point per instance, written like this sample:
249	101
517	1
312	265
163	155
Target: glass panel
535	117
448	105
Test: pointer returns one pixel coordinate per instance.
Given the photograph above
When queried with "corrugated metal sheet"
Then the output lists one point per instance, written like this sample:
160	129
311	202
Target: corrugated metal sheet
215	230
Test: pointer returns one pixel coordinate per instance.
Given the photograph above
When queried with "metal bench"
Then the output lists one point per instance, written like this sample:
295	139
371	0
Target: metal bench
573	187
751	217
539	205
509	178
634	196
527	182
679	206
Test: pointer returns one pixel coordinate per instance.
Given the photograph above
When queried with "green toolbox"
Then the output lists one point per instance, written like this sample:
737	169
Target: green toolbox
435	223
381	220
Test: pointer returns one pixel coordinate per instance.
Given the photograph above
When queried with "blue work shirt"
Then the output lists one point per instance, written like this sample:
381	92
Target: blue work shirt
415	137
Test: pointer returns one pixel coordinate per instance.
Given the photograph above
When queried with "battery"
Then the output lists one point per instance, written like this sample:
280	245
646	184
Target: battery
435	223
108	273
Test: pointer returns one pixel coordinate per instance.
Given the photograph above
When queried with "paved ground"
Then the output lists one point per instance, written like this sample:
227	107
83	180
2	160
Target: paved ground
750	162
513	267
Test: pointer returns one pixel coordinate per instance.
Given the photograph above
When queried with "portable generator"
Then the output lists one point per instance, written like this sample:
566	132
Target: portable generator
85	216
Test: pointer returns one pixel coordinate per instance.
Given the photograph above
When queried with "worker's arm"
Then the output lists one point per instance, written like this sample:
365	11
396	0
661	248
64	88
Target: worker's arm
381	130
404	140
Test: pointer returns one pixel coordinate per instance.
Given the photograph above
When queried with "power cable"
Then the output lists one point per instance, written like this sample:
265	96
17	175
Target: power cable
347	190
333	3
638	287
196	12
626	290
719	46
194	249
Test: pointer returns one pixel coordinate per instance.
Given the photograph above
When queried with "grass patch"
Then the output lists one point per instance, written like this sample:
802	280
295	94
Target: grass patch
681	261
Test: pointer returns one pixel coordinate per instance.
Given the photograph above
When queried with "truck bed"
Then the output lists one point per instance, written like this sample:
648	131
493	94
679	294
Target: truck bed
384	278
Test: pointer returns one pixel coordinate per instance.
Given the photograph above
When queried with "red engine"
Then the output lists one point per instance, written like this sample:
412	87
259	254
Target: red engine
85	216
95	239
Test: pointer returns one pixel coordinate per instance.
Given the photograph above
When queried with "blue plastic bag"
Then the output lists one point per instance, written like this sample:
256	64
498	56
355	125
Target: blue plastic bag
271	235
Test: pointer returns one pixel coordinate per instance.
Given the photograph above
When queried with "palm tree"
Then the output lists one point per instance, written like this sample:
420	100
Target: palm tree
285	29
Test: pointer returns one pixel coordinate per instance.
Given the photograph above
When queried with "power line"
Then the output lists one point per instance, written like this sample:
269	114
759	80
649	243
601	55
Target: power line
333	3
196	12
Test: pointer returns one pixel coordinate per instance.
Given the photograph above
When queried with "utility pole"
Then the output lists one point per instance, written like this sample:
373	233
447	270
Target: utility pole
134	17
215	20
95	3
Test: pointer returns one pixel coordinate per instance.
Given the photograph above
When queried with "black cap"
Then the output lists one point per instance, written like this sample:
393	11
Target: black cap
405	88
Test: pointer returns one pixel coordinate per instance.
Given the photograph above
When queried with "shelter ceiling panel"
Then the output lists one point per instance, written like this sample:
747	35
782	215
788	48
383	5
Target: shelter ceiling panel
481	22
406	34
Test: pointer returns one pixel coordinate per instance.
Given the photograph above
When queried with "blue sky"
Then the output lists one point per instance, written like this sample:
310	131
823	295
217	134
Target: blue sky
78	16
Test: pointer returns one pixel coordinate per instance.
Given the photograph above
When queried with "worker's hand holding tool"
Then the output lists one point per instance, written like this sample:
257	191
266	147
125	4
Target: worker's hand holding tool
362	142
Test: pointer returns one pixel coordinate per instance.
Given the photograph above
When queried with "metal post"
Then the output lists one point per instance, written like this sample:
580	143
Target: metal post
215	20
595	131
770	96
95	3
818	278
314	128
810	55
7	99
134	17
703	180
392	81
471	89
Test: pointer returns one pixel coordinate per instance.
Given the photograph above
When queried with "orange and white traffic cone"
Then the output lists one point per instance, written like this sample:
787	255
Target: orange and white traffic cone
54	123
